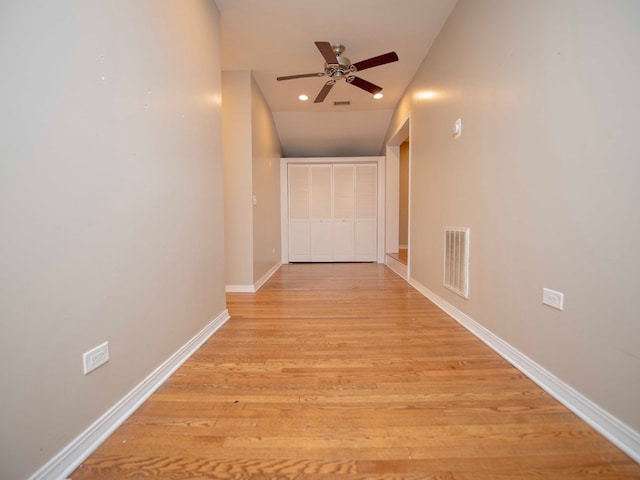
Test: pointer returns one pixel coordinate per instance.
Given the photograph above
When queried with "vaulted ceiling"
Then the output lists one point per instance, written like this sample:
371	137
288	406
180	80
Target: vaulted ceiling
273	38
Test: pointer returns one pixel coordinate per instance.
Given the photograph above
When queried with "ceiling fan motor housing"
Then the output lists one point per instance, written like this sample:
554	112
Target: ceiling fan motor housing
341	69
338	67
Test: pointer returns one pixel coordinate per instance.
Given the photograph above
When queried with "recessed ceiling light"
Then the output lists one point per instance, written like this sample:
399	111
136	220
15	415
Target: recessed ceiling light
303	97
378	96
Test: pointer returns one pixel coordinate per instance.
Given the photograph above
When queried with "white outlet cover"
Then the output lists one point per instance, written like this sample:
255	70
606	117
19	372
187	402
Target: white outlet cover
552	298
95	357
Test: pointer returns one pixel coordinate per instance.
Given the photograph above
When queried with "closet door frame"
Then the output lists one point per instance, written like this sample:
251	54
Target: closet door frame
284	204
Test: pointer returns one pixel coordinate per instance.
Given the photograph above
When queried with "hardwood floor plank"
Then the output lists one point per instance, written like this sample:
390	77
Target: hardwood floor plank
344	372
526	467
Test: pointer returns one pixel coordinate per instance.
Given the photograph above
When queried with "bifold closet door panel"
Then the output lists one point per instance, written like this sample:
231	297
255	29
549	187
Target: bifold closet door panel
343	241
343	192
343	211
321	231
321	244
299	188
299	241
332	212
365	241
320	193
299	213
366	187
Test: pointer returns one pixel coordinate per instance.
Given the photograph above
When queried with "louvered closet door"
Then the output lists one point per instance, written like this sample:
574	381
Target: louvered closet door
321	222
332	212
343	213
299	213
366	187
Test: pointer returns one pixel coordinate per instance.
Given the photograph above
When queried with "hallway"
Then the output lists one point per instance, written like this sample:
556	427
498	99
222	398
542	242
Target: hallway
343	371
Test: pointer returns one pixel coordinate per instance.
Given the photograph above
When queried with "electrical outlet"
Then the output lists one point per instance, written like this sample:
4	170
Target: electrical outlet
552	298
95	357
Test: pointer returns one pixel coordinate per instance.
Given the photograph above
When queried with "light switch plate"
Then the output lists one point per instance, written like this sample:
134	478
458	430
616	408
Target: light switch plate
457	128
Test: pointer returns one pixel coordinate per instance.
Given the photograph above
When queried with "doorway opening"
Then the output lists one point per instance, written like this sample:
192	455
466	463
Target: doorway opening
397	208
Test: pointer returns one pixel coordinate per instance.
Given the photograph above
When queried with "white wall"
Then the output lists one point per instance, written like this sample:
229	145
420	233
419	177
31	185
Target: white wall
110	205
545	175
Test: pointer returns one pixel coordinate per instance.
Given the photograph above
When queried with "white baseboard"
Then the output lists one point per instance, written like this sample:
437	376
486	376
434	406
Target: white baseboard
239	289
255	287
398	267
267	276
70	457
620	434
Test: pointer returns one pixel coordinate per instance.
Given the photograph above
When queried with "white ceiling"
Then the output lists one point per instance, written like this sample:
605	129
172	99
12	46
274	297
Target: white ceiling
276	37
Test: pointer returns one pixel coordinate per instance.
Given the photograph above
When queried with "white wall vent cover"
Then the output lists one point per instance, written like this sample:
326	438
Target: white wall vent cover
456	260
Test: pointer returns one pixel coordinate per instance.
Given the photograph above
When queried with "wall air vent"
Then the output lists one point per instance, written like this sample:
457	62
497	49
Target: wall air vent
456	260
345	102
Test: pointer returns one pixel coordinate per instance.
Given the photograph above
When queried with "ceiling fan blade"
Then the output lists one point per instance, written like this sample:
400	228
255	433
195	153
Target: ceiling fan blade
304	75
327	52
324	92
363	84
375	61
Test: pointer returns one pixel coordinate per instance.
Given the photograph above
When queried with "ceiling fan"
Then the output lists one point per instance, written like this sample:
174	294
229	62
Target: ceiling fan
339	67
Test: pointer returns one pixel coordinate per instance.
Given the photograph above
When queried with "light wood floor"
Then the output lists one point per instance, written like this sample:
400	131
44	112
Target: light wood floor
402	256
344	372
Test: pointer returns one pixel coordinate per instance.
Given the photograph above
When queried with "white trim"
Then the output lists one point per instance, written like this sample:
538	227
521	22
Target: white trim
409	194
239	289
620	434
70	457
392	183
392	199
258	285
398	268
284	211
380	236
284	204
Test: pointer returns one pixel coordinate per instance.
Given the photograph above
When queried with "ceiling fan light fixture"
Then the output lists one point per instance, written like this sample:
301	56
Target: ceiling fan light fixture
303	97
378	96
338	67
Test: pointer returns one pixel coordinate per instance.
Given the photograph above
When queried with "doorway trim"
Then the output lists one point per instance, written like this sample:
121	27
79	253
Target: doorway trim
284	203
392	199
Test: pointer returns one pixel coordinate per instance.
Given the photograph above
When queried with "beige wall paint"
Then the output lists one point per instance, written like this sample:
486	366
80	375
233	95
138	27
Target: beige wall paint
110	205
237	152
266	153
251	157
545	175
403	237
